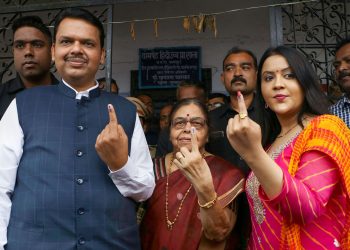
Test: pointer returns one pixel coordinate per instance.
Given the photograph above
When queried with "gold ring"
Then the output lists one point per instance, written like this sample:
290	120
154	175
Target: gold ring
243	115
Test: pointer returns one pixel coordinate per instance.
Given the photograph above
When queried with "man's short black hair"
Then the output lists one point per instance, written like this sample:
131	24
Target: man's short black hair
78	13
197	84
32	21
218	95
190	83
237	50
341	43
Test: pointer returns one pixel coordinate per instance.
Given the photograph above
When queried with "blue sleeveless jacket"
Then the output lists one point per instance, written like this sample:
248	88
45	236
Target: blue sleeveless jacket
63	197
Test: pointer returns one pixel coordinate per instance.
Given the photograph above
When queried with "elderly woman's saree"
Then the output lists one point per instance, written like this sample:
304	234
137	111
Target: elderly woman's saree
186	232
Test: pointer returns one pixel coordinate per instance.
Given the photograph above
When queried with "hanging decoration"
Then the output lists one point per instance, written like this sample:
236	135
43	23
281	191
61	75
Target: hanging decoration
132	31
186	23
155	24
195	22
199	28
202	21
199	22
210	22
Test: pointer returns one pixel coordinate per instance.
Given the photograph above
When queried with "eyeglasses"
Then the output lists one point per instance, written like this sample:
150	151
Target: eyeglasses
215	105
181	122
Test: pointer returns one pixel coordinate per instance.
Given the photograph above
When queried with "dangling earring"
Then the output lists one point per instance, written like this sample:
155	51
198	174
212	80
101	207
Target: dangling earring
101	66
266	106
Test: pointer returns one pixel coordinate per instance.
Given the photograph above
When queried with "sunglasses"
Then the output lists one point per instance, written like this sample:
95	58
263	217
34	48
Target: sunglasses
215	105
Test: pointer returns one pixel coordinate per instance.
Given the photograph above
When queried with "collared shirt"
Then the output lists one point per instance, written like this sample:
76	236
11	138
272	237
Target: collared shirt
342	109
9	90
135	179
218	143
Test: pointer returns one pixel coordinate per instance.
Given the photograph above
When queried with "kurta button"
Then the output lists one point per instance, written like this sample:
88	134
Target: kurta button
80	128
79	181
81	211
81	241
79	153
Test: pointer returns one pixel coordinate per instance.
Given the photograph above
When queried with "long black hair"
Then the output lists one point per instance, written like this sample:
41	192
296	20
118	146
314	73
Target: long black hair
315	101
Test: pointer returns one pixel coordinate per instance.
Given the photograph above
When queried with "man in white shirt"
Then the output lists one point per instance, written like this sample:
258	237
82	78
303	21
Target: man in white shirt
71	169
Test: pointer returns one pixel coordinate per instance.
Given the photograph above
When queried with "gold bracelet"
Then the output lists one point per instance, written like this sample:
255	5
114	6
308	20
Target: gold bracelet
209	204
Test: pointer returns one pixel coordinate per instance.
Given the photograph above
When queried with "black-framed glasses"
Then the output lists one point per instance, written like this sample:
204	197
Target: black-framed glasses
196	122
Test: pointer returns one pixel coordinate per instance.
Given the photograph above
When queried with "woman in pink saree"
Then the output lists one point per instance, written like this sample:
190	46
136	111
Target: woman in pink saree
298	190
193	205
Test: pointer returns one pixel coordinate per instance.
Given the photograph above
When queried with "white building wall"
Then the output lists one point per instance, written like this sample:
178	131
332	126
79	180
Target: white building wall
245	28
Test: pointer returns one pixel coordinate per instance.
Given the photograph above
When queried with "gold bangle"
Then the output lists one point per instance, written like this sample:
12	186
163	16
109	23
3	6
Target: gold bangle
209	204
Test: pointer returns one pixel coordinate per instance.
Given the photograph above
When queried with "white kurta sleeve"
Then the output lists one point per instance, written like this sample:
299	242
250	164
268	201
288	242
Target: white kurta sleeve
136	178
11	149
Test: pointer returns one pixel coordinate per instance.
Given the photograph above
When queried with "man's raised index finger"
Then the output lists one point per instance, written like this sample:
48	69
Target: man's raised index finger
241	104
112	114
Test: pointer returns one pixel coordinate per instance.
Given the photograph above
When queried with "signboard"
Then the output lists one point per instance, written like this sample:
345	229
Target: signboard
167	67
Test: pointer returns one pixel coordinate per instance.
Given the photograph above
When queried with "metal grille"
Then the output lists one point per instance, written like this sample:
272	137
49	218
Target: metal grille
314	29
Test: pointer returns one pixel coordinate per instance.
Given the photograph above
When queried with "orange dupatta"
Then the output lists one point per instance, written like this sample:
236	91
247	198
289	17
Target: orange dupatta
328	134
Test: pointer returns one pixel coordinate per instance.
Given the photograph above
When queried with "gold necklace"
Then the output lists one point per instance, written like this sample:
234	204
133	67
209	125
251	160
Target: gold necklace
170	223
289	130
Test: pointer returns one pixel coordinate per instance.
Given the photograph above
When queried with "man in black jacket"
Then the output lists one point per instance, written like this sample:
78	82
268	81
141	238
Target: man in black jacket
239	74
32	59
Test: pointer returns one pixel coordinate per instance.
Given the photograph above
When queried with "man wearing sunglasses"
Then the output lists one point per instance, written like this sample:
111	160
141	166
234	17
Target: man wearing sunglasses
216	100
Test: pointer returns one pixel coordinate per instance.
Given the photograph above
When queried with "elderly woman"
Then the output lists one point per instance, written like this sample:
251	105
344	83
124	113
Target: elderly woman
298	190
193	205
